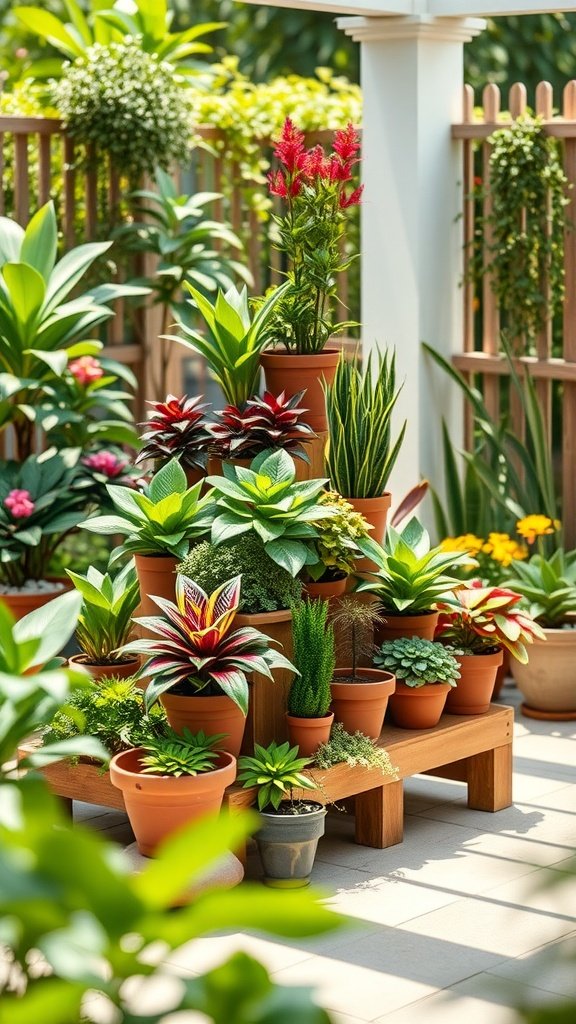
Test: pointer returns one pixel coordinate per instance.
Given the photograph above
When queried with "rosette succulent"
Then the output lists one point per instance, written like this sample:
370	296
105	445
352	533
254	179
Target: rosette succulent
417	662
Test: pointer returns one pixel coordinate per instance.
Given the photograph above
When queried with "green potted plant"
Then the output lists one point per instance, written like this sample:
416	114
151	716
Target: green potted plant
267	500
263	424
170	781
177	428
42	500
198	662
409	579
340	541
291	826
318	190
309	716
359	694
479	624
105	620
159	525
360	455
425	672
353	749
548	589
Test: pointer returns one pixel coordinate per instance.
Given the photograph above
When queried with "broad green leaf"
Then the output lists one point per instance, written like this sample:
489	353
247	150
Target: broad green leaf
40	241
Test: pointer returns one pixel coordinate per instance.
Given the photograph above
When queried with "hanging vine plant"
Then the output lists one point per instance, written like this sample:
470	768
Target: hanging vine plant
525	258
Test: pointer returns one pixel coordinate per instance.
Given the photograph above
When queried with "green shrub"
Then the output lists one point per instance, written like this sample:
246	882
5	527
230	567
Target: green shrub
113	711
314	658
352	749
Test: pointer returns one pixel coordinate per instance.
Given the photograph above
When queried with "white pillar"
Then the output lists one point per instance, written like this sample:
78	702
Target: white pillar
412	79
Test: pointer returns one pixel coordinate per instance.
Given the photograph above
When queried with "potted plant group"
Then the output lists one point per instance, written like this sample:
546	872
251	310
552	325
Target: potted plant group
425	673
360	454
291	827
309	716
170	781
197	662
548	589
105	620
359	694
177	428
262	424
341	539
477	626
317	189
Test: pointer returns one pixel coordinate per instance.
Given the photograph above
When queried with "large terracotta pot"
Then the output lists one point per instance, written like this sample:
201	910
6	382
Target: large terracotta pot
119	670
502	674
418	707
375	512
361	706
473	691
157	577
212	715
158	805
266	719
27	601
547	682
290	373
309	733
393	626
325	589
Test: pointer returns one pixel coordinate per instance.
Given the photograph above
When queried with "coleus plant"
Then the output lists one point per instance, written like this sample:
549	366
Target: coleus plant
177	428
262	424
267	500
198	649
482	618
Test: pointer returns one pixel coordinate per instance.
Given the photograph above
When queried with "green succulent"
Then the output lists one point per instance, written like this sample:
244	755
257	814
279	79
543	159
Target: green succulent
174	755
276	771
548	586
314	657
416	662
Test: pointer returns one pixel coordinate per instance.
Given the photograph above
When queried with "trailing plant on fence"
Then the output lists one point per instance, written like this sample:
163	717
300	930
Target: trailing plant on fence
525	258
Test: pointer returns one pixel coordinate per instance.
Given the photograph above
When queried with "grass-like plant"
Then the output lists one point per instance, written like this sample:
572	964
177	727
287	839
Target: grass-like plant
276	771
315	659
105	619
174	755
353	749
359	405
417	662
548	586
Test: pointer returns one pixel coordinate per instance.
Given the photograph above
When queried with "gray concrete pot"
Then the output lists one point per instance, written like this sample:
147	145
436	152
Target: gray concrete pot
287	846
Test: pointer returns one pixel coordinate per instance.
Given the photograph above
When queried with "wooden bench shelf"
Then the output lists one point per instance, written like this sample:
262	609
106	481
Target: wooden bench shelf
473	749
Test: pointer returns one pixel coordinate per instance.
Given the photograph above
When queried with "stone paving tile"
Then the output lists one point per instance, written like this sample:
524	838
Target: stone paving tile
202	955
478	1000
550	968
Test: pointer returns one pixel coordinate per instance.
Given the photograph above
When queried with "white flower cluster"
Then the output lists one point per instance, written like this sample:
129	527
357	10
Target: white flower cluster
128	103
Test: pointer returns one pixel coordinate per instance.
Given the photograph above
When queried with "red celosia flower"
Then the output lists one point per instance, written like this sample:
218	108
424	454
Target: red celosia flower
19	504
290	146
352	199
346	143
316	165
86	370
107	463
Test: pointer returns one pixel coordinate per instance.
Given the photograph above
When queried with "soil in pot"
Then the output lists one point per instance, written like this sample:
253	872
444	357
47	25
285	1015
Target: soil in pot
418	707
287	843
309	733
473	691
211	715
285	371
360	704
117	670
393	626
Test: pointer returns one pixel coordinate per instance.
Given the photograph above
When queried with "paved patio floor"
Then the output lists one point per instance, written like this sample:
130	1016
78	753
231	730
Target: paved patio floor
458	923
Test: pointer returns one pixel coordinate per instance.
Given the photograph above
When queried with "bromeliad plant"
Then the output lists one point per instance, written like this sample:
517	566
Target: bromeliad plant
417	662
197	648
105	619
267	500
276	771
177	428
163	520
263	424
480	619
411	576
547	587
359	406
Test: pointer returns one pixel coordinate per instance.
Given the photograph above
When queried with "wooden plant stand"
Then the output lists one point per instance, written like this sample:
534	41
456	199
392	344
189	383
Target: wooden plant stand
479	748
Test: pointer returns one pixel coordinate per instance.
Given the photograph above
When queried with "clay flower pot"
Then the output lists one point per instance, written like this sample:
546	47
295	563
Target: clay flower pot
157	577
291	373
158	805
308	733
393	626
474	689
211	715
326	589
29	600
118	670
547	681
375	512
418	707
361	705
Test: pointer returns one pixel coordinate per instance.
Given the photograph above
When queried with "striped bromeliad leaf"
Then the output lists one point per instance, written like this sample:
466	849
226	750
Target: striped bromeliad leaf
197	646
487	617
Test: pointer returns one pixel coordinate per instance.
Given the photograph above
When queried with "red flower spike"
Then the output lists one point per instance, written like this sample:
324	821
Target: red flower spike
277	184
346	142
353	199
290	147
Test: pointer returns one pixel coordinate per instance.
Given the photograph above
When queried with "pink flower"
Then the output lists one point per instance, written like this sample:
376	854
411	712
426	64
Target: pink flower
352	199
86	370
19	504
105	462
346	143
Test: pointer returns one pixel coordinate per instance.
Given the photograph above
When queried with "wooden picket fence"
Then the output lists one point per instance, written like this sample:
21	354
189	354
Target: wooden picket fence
481	360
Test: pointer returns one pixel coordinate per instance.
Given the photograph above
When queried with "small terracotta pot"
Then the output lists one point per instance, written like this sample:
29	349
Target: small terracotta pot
212	715
21	604
309	733
291	373
392	626
361	706
158	805
325	589
157	577
473	691
418	707
120	670
375	512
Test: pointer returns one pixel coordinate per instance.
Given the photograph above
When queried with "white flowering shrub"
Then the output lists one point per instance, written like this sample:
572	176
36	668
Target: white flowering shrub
128	103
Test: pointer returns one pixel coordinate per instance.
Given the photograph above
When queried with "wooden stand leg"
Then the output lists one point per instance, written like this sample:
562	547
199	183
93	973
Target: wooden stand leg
380	816
490	779
67	806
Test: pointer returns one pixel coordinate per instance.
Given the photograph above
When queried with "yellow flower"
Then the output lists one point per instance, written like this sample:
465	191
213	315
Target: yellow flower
501	548
467	542
536	526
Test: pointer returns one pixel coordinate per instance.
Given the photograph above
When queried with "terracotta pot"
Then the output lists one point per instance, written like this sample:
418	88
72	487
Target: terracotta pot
361	706
156	576
158	805
193	475
309	733
215	464
473	691
21	604
392	626
266	719
418	707
502	674
375	512
287	372
121	670
325	589
547	681
212	715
